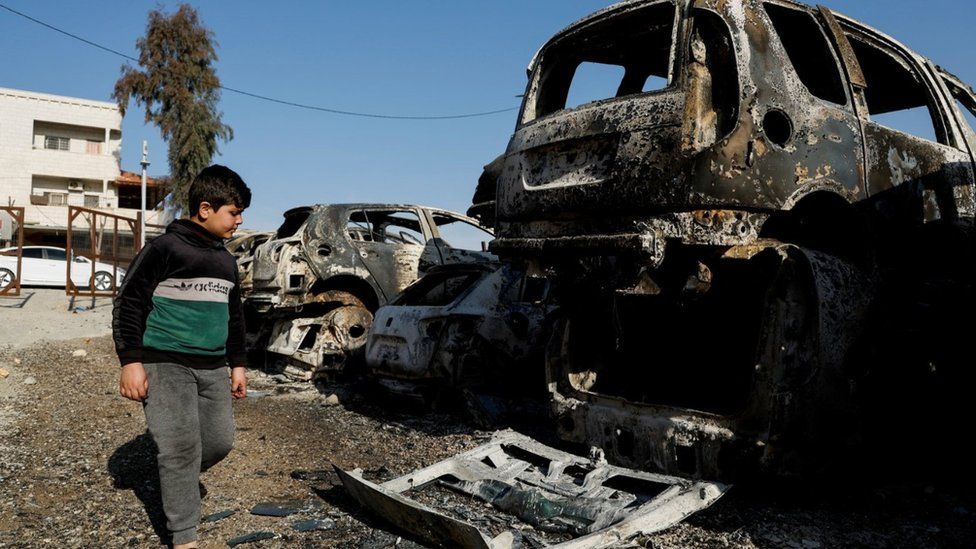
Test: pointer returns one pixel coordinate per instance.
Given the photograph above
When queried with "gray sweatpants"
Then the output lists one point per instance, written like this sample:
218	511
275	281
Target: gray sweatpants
190	418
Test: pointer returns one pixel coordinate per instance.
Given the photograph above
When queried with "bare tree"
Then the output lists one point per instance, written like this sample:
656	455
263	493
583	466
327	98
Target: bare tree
177	84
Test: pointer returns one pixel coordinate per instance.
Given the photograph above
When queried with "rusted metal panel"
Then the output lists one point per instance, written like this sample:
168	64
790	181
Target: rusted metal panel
854	72
101	244
579	502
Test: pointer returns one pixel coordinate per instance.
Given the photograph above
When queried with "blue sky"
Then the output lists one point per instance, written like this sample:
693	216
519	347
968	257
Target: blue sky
389	57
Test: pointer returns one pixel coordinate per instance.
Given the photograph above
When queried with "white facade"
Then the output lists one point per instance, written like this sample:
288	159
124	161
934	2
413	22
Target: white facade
57	151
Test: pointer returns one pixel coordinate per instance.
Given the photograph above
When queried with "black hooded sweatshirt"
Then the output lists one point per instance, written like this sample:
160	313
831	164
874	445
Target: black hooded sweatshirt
180	302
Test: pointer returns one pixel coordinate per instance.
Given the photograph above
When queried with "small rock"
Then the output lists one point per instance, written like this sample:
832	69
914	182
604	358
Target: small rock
220	515
16	361
79	353
331	400
277	509
379	540
314	524
810	544
248	538
3	373
30	380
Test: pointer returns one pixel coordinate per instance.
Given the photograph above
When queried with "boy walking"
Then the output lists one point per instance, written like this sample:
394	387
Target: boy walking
178	325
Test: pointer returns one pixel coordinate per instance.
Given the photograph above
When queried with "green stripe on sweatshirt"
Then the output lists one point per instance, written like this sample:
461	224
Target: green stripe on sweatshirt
187	326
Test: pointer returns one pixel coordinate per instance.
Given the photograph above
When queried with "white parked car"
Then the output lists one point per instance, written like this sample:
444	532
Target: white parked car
46	266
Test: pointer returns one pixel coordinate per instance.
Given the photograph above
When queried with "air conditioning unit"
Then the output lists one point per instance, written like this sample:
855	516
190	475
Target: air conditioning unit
76	185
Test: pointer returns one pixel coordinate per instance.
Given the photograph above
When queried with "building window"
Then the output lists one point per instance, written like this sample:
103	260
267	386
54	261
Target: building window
57	199
56	143
91	200
93	147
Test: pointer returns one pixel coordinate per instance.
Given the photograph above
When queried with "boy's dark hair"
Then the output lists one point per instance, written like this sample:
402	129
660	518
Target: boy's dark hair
218	185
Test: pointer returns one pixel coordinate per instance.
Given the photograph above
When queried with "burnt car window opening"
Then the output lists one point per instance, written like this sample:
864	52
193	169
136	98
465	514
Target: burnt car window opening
966	103
460	234
896	96
969	115
628	55
593	82
809	52
400	227
437	290
293	222
358	227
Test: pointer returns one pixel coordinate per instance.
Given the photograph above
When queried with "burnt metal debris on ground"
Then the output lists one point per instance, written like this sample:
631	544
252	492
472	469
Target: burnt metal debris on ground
76	470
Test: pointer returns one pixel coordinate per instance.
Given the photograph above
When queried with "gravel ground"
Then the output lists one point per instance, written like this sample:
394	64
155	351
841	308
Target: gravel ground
77	470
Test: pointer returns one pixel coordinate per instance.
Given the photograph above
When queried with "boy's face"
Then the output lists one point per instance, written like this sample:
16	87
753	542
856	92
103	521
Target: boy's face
221	222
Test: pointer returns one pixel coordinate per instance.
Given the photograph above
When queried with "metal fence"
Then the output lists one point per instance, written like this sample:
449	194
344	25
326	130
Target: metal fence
100	247
11	260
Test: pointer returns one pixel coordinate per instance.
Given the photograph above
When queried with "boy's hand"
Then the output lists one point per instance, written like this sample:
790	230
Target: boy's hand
133	383
238	382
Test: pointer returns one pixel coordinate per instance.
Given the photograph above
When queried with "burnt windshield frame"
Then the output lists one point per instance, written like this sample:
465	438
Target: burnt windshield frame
548	59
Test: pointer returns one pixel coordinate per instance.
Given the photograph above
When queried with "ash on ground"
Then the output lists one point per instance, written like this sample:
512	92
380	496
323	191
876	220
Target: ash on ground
77	470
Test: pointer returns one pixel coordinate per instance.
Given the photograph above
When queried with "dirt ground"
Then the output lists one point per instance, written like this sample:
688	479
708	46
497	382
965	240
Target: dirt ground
40	314
77	470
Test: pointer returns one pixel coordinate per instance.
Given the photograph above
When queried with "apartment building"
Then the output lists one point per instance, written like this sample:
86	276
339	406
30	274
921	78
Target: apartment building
58	151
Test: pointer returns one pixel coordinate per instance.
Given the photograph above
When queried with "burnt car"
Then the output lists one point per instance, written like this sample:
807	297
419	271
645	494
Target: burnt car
745	251
328	268
460	329
242	247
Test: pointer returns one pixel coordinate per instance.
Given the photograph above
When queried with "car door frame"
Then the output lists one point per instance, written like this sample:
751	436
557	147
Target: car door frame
938	108
444	248
379	258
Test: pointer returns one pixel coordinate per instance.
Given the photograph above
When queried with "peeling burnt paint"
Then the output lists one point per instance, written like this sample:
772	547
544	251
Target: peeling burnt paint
755	200
320	278
460	328
242	248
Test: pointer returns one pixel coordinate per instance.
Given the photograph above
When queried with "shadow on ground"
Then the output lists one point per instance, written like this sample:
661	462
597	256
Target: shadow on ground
17	302
133	467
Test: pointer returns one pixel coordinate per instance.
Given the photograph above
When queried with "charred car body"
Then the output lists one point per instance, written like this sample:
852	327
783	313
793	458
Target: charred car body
327	269
242	247
722	223
461	330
